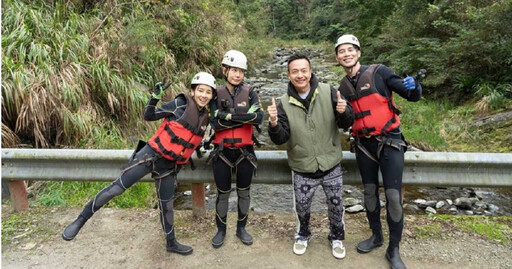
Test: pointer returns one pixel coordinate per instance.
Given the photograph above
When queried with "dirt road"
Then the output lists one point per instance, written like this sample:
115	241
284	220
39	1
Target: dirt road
131	238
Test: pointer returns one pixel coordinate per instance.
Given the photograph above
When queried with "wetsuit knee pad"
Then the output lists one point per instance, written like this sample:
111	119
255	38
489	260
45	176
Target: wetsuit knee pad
167	210
370	197
244	200
108	193
222	203
394	204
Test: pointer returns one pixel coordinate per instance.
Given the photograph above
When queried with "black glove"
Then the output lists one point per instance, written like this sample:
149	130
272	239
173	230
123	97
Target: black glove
160	88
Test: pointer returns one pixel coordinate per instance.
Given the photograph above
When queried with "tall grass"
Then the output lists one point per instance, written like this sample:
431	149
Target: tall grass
80	78
69	72
50	87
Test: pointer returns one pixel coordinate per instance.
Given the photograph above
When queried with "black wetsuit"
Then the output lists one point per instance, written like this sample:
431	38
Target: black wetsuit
244	169
146	161
390	160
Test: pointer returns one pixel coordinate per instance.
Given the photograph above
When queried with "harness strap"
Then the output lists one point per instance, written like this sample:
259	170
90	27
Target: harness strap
365	151
383	141
178	140
232	140
390	142
217	153
245	155
365	131
389	123
225	159
175	156
248	156
251	158
141	144
362	114
393	108
132	165
175	170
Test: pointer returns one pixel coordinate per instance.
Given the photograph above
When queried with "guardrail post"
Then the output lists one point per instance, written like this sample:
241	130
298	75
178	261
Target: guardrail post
198	202
19	197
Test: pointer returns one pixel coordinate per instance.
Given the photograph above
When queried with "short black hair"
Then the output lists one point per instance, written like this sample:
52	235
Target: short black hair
297	56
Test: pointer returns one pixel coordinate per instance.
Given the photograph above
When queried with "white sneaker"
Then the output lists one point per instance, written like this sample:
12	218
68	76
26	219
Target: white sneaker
300	246
338	250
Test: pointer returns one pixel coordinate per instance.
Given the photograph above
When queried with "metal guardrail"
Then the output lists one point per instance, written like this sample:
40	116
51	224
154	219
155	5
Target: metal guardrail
421	168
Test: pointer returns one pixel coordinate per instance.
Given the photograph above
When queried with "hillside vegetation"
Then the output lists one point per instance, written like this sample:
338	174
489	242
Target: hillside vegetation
77	73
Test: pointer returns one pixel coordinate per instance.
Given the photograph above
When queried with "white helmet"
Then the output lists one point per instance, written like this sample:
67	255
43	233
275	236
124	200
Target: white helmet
235	58
350	39
203	78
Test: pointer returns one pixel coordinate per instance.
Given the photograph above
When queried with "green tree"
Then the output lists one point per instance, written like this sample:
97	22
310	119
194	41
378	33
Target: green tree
462	43
255	16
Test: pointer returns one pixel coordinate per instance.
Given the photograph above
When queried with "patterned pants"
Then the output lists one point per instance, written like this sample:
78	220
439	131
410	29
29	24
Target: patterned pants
304	189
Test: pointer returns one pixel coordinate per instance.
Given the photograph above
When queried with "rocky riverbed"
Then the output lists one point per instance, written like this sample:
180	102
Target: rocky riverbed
417	200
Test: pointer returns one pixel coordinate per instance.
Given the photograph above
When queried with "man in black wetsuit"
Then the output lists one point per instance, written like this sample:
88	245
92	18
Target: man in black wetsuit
379	143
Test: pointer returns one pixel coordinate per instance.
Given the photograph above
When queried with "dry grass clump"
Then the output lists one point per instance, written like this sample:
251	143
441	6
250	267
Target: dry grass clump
9	138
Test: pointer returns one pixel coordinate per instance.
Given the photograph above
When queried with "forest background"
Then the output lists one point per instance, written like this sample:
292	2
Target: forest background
77	73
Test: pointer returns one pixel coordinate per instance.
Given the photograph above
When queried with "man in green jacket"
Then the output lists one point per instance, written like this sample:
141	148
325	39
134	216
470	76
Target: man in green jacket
308	119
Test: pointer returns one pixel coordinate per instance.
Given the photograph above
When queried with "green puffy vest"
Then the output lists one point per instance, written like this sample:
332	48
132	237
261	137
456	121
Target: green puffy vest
314	137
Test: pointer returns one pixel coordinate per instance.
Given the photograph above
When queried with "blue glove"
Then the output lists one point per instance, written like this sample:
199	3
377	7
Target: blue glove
409	83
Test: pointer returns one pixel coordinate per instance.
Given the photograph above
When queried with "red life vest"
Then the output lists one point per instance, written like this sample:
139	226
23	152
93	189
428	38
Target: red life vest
177	140
238	136
374	114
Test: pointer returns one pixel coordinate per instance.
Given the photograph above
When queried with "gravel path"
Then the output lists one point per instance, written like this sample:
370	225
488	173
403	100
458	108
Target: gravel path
131	238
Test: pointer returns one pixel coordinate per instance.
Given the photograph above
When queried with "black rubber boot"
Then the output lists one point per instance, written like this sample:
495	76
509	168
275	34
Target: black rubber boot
375	241
72	230
174	246
218	239
393	257
245	237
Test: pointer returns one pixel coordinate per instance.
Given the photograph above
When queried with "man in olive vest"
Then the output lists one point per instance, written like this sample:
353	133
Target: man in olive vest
308	118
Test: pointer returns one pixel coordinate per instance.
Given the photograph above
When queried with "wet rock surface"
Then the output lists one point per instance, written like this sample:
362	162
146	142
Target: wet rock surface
279	199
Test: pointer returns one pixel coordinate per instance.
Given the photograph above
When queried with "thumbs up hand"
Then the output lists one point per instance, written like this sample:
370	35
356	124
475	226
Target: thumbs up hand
272	112
341	105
